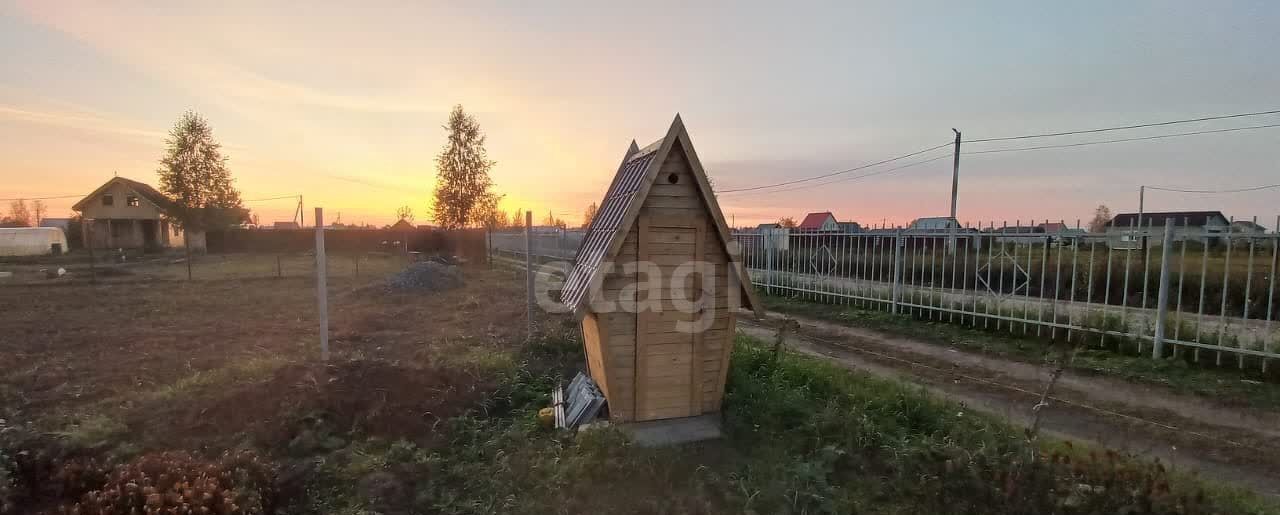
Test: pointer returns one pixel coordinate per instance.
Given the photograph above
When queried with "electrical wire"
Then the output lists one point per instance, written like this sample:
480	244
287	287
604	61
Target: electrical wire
1126	127
1103	142
839	172
846	179
1040	147
1238	190
41	198
295	197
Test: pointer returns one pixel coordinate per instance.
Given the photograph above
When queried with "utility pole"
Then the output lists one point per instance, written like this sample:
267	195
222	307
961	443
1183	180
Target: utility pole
955	187
955	174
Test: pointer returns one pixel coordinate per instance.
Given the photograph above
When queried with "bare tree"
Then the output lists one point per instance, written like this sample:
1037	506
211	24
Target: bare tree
1101	217
517	219
404	213
552	221
40	210
589	215
19	214
787	222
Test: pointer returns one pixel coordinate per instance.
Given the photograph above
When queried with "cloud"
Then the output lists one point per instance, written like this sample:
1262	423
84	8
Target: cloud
84	121
195	54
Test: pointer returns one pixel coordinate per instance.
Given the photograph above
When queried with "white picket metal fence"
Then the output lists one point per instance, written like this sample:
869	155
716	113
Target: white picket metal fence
1219	289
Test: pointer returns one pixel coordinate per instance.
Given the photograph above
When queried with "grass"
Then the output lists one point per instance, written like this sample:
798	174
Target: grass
1226	384
802	436
428	406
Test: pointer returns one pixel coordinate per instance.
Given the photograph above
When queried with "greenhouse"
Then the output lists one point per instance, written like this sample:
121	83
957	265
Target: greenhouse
31	241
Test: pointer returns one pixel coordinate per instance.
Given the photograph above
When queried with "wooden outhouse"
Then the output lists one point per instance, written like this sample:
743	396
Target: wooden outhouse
657	283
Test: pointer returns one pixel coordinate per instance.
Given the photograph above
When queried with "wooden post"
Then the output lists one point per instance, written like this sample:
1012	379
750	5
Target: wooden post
528	265
322	286
356	259
186	245
278	271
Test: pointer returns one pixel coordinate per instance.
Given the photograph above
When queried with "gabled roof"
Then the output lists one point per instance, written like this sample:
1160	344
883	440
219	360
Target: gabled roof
620	207
1248	224
402	225
814	221
930	223
142	189
1180	219
1053	227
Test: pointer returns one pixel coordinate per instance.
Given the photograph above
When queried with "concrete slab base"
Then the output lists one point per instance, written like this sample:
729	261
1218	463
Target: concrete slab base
673	431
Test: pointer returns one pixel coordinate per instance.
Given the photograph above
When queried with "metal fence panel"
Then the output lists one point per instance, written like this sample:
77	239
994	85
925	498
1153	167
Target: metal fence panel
1009	278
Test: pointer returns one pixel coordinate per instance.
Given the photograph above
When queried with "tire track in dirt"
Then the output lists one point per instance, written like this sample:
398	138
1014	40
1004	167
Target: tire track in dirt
1217	443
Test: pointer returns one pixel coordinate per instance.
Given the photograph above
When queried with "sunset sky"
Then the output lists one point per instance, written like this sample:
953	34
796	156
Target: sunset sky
344	104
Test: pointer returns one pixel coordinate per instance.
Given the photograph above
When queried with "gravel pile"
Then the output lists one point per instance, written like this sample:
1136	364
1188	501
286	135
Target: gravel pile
426	276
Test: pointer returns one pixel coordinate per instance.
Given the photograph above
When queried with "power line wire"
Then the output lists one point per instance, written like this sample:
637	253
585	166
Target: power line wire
839	172
1144	138
847	179
1126	127
295	197
1041	147
41	198
1237	190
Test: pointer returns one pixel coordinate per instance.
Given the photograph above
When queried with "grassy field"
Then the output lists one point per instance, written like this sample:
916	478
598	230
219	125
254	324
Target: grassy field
141	393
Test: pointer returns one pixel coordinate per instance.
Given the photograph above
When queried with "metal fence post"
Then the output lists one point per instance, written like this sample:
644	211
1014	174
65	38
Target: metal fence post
322	287
528	265
768	260
897	270
1162	304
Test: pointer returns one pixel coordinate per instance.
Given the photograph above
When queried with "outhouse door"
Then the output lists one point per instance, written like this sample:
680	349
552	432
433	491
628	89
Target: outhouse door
668	354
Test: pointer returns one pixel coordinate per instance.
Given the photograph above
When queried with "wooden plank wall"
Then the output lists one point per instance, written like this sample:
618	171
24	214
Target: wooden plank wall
619	332
677	203
684	372
592	340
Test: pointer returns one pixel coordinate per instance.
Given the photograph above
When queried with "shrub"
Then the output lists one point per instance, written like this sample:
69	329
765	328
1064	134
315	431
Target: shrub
177	482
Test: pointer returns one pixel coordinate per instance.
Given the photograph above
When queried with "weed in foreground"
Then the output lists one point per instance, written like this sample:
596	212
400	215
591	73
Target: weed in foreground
802	436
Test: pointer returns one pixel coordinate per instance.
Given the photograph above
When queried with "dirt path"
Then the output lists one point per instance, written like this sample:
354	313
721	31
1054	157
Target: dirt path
1189	433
